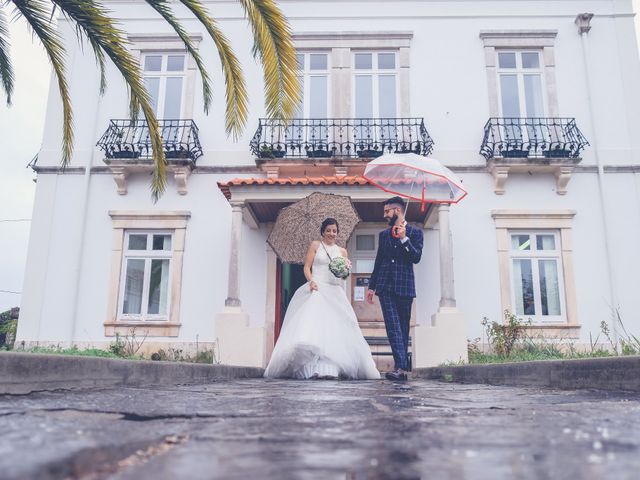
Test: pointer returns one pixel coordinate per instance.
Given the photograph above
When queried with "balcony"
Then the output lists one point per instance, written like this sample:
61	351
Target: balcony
339	138
532	138
533	145
127	149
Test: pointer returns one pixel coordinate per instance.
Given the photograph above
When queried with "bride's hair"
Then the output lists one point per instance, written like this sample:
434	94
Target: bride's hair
328	221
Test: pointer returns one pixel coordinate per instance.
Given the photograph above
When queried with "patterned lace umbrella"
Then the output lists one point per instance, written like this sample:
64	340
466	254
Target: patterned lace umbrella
299	224
415	177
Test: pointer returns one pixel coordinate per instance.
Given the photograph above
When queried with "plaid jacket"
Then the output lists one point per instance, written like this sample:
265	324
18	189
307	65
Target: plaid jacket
393	269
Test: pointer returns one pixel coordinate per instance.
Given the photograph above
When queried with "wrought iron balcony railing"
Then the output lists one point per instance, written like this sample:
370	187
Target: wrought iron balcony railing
340	137
129	139
532	138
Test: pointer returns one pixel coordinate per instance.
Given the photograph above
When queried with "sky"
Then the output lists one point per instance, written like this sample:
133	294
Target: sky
20	138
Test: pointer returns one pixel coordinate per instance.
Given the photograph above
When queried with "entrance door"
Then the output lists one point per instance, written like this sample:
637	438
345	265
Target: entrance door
289	277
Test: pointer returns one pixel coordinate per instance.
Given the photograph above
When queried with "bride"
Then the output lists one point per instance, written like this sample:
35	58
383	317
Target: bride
320	337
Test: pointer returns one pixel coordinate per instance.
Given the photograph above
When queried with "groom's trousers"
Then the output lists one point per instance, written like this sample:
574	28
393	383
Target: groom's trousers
396	311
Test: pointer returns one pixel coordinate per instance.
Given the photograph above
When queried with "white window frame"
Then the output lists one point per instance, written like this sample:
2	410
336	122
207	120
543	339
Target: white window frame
341	46
520	73
560	221
148	43
521	40
375	73
305	75
163	222
163	74
147	255
534	255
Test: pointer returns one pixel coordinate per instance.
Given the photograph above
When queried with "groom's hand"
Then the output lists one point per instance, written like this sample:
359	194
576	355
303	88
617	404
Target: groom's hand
370	296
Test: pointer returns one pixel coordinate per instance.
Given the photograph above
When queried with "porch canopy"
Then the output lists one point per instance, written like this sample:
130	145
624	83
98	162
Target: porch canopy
262	198
258	200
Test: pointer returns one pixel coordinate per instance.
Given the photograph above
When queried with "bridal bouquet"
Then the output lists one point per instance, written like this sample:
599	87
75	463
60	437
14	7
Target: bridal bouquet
340	267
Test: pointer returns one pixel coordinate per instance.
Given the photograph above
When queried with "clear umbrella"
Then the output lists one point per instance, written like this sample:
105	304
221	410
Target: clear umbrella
415	177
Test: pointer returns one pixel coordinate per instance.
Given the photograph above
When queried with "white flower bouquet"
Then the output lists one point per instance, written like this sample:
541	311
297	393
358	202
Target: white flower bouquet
340	267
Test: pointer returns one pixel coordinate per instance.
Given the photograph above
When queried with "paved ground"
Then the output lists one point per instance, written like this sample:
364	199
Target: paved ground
317	429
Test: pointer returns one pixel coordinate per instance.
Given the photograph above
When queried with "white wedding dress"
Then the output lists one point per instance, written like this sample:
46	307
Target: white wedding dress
320	335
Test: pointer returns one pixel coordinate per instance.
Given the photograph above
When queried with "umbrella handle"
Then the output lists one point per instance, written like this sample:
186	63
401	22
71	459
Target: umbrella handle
422	207
394	231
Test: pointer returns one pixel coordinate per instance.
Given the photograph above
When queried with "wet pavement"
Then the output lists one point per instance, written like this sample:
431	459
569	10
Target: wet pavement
321	430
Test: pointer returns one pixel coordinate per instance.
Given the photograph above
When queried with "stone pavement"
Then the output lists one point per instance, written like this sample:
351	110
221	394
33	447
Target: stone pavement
321	430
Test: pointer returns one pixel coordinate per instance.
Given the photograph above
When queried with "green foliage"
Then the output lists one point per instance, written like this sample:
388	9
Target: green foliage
177	355
511	342
503	337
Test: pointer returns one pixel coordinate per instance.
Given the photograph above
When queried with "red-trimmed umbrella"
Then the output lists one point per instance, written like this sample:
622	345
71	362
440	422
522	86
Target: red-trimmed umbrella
415	177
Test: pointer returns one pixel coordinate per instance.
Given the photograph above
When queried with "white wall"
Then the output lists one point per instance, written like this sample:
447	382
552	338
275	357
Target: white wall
448	88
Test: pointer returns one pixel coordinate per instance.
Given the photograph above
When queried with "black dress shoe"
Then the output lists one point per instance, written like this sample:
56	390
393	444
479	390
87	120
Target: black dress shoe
398	375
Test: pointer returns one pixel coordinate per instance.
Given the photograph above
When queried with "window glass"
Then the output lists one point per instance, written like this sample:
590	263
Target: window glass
386	61
530	60
520	242
153	63
318	61
365	242
158	286
175	63
134	281
507	60
364	61
137	242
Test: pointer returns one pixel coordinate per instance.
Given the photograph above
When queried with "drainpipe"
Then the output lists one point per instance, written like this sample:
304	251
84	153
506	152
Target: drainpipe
583	21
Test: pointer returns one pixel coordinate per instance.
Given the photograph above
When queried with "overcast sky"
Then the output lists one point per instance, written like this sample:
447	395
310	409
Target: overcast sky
20	139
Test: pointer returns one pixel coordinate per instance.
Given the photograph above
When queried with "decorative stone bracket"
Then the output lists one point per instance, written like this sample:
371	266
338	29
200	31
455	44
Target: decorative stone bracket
501	171
121	173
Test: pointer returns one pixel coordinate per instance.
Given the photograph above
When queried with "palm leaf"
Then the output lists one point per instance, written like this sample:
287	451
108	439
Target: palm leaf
6	69
162	7
35	13
96	24
274	46
237	103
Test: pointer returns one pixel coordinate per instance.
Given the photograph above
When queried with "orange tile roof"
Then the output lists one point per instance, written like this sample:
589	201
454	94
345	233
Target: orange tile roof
328	180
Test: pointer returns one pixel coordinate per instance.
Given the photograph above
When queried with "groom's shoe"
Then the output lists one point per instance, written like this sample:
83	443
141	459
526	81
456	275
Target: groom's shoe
397	375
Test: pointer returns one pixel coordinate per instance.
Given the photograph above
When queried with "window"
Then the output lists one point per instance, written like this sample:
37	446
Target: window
535	265
146	269
164	77
520	83
146	272
314	79
364	251
375	84
536	270
521	73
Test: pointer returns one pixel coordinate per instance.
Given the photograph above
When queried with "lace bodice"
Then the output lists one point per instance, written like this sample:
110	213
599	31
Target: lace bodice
320	266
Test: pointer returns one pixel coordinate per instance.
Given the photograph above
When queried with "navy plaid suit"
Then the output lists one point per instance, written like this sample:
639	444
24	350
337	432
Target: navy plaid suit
394	283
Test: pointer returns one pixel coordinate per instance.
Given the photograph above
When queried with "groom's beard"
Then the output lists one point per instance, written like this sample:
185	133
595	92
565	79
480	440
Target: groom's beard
393	220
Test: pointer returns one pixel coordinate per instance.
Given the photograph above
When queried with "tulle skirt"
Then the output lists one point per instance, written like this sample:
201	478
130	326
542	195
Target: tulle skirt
320	336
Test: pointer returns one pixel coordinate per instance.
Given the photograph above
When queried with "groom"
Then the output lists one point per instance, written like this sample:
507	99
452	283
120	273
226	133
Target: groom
392	280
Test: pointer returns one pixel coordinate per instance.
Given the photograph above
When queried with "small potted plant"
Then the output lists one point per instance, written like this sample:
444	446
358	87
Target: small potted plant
514	150
369	153
177	154
126	152
319	151
267	151
559	151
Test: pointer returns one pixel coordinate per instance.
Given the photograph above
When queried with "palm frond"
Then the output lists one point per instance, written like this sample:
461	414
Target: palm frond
96	24
100	60
237	102
162	7
35	12
274	46
6	68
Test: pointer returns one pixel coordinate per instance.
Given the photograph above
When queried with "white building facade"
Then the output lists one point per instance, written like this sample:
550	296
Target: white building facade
533	104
